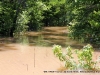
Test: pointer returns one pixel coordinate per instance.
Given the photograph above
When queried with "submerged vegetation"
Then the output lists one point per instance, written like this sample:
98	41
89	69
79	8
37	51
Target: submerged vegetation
84	57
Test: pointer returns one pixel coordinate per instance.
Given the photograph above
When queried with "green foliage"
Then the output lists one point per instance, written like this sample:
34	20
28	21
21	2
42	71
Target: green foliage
22	20
84	20
35	10
55	15
57	51
9	17
5	18
22	15
84	56
18	16
69	63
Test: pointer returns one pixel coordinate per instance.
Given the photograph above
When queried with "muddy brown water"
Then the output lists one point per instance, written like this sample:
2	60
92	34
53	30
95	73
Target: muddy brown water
33	55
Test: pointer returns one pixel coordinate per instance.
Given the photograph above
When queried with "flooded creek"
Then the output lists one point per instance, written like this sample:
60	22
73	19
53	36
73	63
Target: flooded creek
32	54
47	37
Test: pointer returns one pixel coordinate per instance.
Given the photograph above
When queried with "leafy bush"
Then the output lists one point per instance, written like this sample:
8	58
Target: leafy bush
88	30
83	17
84	56
22	20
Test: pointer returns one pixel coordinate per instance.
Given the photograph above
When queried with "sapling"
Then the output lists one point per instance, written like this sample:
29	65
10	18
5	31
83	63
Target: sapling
67	58
84	55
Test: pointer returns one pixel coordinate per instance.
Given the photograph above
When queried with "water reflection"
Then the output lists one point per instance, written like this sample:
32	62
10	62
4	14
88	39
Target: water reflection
52	35
47	37
38	40
22	40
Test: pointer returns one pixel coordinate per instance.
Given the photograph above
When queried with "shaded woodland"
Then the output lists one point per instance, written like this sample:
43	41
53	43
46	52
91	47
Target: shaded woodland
81	16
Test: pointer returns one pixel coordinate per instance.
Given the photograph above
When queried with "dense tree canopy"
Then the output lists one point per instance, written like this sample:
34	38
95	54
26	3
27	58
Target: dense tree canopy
82	16
84	20
21	15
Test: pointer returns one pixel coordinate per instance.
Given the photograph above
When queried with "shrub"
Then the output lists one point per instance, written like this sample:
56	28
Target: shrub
84	56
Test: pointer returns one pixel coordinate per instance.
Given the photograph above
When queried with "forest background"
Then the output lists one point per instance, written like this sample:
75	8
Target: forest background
81	16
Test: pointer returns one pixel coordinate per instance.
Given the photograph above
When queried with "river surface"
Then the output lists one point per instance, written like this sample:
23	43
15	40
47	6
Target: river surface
32	54
47	38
